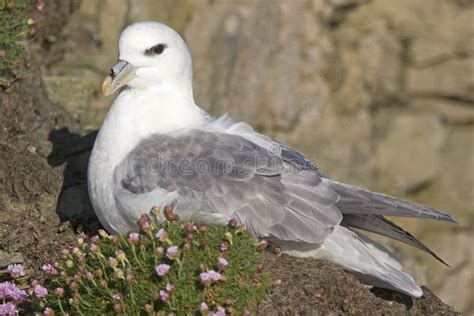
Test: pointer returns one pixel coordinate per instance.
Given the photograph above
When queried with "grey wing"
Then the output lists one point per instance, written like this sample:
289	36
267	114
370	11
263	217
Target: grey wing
218	176
364	210
382	226
299	161
355	200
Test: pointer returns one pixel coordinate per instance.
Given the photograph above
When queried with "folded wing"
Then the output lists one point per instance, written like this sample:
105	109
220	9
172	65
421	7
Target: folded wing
225	175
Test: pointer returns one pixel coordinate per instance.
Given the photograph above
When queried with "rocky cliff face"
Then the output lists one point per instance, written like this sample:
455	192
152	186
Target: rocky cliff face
380	93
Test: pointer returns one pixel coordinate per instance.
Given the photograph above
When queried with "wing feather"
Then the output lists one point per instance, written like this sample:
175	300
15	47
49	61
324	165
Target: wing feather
382	226
355	200
230	175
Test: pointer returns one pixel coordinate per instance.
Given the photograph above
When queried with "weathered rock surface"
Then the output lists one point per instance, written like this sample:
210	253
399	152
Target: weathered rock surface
380	93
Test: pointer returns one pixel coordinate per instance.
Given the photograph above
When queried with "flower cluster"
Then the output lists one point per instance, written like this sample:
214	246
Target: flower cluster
16	270
10	291
165	267
162	269
222	263
49	269
172	252
210	276
165	294
11	296
8	309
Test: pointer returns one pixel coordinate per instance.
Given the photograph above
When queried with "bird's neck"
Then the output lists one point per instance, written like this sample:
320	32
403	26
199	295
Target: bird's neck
140	113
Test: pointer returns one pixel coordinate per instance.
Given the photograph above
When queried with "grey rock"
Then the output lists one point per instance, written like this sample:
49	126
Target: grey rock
408	155
7	258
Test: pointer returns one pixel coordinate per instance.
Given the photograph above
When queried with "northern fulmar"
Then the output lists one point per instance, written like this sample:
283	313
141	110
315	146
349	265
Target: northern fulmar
156	147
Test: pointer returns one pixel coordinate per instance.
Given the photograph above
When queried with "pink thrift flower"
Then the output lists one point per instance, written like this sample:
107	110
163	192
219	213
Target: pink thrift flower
40	291
146	227
245	312
39	5
161	235
76	251
8	309
220	311
113	263
59	292
222	263
203	229
172	252
48	312
73	285
133	238
148	308
159	250
117	297
103	233
117	307
8	289
94	248
169	287
3	289
205	278
144	223
223	247
16	270
162	269
233	223
49	269
95	239
203	308
119	274
114	239
164	296
188	227
120	255
215	276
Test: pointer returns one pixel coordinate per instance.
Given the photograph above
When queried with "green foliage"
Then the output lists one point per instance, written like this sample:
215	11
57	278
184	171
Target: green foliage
13	31
98	278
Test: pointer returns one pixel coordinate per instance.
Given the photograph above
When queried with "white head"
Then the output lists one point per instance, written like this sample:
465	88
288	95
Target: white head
150	54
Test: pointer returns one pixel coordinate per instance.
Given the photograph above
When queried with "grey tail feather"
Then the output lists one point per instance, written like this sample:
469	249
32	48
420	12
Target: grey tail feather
354	200
393	280
382	226
392	277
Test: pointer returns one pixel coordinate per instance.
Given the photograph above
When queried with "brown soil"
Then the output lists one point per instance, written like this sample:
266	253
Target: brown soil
39	146
29	185
318	287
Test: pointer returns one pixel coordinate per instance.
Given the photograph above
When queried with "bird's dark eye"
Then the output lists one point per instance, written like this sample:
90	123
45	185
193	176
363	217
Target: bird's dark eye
155	50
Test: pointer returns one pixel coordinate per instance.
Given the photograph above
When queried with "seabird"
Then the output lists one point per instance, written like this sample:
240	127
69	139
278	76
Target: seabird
156	147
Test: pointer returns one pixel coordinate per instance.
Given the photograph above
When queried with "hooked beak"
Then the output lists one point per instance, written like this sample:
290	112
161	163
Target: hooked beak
120	75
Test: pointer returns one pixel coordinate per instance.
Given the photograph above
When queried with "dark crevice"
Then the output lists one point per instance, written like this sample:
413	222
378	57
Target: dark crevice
441	59
465	100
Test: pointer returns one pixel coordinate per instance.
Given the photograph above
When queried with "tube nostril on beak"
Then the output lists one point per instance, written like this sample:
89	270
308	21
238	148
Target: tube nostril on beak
119	75
115	70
